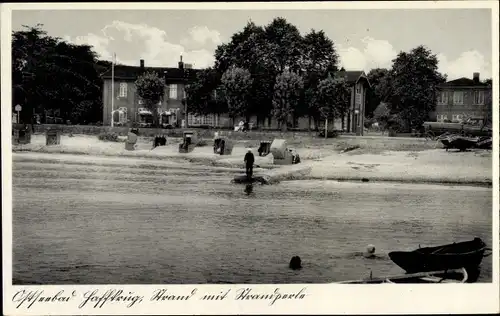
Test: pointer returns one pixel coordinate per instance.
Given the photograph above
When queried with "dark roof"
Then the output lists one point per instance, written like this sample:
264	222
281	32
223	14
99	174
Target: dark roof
132	72
352	77
464	82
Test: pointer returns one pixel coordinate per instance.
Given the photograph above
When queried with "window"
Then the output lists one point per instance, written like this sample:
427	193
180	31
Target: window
441	117
443	97
209	120
458	97
123	90
196	120
456	117
479	97
358	89
141	102
173	91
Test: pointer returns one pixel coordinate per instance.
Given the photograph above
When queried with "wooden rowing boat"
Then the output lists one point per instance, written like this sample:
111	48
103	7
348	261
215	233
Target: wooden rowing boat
449	276
468	255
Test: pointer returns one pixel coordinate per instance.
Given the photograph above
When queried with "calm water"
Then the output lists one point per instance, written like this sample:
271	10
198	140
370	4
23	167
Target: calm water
77	220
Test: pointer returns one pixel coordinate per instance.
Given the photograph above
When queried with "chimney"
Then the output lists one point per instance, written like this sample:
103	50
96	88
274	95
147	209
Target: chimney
475	77
181	64
142	63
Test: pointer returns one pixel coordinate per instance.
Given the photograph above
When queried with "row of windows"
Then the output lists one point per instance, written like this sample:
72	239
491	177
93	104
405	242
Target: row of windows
172	91
196	120
457	97
454	117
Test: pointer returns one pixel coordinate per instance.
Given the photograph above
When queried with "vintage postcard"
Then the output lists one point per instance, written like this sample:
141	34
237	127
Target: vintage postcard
250	158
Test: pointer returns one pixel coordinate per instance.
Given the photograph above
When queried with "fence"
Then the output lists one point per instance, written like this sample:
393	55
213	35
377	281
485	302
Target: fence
178	132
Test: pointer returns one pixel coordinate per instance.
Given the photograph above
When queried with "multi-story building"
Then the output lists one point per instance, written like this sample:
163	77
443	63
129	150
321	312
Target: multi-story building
128	106
462	98
358	83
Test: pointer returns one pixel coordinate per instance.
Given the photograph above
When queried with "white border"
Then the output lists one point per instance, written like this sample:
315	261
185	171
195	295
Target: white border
320	299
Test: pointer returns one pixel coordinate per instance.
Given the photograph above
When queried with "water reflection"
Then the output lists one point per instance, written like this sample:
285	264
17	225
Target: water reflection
249	189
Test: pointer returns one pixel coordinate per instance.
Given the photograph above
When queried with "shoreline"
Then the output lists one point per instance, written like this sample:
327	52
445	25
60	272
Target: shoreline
370	160
484	184
307	170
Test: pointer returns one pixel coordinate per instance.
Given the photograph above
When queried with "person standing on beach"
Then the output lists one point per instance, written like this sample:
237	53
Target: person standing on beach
249	160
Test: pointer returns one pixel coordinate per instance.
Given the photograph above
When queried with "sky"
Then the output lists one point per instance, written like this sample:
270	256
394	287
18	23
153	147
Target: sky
364	39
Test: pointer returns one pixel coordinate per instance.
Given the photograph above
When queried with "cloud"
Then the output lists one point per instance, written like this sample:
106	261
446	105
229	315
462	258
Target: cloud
465	65
375	54
380	53
99	43
132	42
201	36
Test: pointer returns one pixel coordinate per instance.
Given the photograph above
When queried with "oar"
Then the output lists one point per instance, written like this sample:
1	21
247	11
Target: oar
407	276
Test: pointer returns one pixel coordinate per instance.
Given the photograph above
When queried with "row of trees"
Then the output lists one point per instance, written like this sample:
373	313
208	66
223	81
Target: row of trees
271	71
274	71
51	75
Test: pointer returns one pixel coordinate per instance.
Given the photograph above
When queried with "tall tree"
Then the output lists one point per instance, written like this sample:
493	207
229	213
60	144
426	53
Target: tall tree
284	45
318	53
319	59
151	89
332	98
380	89
201	94
249	49
287	94
237	84
51	74
414	81
253	54
235	53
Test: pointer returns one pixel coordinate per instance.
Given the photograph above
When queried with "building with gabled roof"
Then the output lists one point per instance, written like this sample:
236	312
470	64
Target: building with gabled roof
463	97
354	120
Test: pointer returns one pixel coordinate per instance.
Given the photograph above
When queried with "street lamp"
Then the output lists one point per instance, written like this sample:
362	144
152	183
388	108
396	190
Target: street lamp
358	121
112	87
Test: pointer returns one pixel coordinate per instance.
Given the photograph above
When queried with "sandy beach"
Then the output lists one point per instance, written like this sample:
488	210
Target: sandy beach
373	159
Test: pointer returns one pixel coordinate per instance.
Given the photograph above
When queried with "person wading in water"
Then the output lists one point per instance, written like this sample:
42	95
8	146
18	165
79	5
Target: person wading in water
249	160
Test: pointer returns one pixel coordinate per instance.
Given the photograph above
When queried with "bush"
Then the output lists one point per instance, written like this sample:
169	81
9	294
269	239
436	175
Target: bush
108	137
331	134
369	122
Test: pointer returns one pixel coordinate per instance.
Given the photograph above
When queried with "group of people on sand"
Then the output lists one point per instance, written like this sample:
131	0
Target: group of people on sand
242	127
